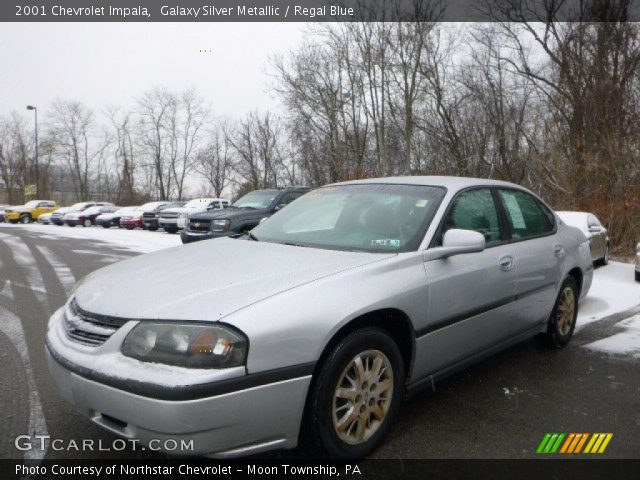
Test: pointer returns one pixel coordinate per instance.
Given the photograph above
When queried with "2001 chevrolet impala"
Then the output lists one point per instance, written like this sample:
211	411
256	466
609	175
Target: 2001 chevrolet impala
320	319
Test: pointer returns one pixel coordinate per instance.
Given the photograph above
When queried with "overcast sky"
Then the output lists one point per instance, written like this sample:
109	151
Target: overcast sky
110	63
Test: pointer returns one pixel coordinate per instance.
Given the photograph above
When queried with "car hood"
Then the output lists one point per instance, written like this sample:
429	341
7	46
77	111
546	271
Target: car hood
208	280
229	213
174	210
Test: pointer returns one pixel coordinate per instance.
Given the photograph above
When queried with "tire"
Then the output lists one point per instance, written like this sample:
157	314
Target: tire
325	410
637	276
170	230
25	218
129	228
87	222
560	328
605	260
152	229
105	225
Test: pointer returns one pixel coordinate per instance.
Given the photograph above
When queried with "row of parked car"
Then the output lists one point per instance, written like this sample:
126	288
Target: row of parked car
205	218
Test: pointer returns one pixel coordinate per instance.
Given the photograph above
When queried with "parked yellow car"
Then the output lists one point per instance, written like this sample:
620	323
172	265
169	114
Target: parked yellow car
30	211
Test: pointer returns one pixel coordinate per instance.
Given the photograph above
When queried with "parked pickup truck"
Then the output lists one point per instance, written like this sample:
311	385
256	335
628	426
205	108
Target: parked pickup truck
240	217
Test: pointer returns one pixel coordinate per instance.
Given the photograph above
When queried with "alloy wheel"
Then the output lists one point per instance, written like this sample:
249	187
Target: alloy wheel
566	311
362	397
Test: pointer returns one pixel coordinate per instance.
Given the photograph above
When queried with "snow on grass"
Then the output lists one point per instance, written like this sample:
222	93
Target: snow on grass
141	241
613	290
626	342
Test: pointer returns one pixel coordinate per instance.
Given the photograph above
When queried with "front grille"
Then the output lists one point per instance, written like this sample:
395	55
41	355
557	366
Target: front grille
199	225
89	328
149	215
169	215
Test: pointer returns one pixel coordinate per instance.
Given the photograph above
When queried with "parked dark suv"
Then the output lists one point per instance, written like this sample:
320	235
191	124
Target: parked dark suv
150	218
240	217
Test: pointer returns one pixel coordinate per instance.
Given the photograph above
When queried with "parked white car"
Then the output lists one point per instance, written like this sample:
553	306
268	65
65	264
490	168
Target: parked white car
174	219
597	234
45	218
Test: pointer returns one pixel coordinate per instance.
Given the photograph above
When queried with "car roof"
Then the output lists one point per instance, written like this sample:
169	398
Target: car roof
453	183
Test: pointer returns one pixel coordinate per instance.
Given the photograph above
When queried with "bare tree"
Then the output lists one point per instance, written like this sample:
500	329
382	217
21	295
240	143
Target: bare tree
215	161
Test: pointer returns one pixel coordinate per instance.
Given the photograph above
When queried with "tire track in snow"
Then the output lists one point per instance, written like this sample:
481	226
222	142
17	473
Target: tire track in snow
12	268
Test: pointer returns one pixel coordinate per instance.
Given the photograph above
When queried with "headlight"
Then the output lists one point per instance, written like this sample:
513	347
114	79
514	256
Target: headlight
221	224
186	345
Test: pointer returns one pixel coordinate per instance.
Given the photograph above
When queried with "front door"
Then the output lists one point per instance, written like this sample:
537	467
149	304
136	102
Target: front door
471	295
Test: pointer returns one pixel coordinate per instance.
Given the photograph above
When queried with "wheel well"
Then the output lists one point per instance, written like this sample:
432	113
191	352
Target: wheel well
395	322
576	273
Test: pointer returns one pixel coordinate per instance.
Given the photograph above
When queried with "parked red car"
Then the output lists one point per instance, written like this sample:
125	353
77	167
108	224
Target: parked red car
87	217
132	220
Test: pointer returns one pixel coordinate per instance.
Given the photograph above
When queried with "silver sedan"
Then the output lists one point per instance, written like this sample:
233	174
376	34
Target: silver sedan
597	234
317	322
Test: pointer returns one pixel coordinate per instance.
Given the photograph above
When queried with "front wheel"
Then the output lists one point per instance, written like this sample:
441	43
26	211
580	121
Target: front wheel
355	398
25	218
562	321
637	276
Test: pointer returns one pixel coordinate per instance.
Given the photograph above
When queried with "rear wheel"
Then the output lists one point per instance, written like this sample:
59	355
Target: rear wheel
605	259
25	218
562	321
355	398
87	222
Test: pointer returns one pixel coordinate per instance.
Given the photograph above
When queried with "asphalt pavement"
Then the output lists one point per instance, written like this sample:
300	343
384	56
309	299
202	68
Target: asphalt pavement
500	408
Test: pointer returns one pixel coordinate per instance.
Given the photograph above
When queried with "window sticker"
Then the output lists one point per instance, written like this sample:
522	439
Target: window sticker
422	203
514	211
386	242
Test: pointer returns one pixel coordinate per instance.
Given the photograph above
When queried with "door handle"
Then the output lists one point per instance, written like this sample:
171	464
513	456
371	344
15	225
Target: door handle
506	262
559	251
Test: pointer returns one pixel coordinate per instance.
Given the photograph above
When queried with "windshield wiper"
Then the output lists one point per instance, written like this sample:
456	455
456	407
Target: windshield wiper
252	237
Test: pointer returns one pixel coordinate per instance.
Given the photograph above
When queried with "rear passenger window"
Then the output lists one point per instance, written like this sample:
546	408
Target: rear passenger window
475	210
525	215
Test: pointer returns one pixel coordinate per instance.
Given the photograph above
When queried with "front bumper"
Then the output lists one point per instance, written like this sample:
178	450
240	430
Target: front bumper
12	216
150	222
222	423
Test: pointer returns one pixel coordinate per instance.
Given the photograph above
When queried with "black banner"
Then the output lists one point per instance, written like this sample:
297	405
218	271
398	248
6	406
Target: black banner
317	10
581	469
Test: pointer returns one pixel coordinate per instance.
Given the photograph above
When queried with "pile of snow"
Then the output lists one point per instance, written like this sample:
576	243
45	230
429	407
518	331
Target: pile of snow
613	290
142	241
626	342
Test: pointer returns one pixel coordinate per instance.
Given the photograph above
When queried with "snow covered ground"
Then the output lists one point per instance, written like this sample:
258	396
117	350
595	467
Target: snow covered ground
613	290
134	240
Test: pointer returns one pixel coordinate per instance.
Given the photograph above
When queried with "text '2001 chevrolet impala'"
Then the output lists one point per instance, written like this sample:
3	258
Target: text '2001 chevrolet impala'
316	323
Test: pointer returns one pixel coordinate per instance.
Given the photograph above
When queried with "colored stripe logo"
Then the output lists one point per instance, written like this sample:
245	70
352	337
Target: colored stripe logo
572	443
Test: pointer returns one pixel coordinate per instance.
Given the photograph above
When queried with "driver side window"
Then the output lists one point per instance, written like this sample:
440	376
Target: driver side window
475	210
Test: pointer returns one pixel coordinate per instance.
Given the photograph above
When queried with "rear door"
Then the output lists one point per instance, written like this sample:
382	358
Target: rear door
539	256
471	295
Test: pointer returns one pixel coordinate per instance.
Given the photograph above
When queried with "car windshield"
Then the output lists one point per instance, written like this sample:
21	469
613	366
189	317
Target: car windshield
365	217
198	202
32	204
150	205
173	205
77	207
257	199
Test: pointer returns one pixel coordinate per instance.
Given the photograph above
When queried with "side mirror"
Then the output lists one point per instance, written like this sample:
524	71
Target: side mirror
595	229
280	206
456	242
